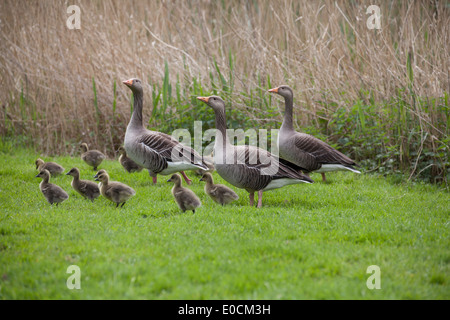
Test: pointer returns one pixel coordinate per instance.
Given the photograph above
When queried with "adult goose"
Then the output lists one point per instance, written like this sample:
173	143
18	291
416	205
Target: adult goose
91	157
156	151
248	167
304	150
51	192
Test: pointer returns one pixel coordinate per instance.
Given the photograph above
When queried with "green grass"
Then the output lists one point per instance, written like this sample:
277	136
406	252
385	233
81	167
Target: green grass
307	242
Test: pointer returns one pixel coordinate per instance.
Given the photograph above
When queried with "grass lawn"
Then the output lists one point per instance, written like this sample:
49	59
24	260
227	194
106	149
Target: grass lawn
307	242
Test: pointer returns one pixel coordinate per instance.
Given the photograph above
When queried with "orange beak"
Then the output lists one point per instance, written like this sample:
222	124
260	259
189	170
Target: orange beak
274	90
128	82
204	99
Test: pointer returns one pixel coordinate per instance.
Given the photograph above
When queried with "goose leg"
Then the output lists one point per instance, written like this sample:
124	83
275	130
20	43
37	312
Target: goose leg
188	181
155	180
251	196
324	179
122	204
260	192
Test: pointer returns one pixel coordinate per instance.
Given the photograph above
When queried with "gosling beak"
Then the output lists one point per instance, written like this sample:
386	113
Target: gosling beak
169	180
204	99
275	90
128	83
37	176
96	176
96	179
67	173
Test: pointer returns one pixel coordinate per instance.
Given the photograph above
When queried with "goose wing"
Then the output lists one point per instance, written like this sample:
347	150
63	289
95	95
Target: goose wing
312	153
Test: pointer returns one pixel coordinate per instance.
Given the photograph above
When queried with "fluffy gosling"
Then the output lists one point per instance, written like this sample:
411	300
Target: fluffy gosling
184	197
86	188
114	191
218	192
51	192
52	167
92	157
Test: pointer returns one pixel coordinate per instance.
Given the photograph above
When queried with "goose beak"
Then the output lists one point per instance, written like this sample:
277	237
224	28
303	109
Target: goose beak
169	180
67	173
275	90
96	179
128	83
204	99
37	176
96	176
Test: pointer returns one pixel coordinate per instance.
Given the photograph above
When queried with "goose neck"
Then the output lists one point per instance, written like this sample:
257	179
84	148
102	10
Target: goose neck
136	117
288	116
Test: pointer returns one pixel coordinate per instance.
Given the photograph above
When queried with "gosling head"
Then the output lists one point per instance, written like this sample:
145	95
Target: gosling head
283	91
84	147
74	172
134	84
175	178
44	174
39	162
215	102
207	177
102	176
122	151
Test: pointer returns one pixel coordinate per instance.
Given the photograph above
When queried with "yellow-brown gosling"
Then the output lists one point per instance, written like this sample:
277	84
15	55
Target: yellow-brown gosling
52	167
218	192
92	157
184	197
51	192
128	164
86	188
114	191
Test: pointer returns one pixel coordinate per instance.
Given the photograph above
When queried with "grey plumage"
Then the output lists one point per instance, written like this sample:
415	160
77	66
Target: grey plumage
184	197
86	188
52	167
114	191
243	166
92	157
156	151
51	192
304	150
218	192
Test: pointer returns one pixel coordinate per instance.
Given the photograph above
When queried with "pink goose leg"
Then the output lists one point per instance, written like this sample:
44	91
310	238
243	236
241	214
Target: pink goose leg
188	181
260	192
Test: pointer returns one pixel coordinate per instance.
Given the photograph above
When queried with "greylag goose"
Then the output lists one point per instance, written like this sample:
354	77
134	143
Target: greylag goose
218	192
304	150
52	167
86	188
156	151
114	191
248	167
91	157
51	192
185	198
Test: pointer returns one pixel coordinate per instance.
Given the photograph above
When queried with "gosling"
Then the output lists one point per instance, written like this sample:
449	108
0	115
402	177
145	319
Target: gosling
114	191
218	192
52	167
185	198
129	165
92	157
88	189
51	192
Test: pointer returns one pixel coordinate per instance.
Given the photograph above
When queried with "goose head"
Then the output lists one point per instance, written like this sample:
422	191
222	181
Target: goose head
207	177
84	147
134	84
39	162
215	102
74	172
102	176
283	91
